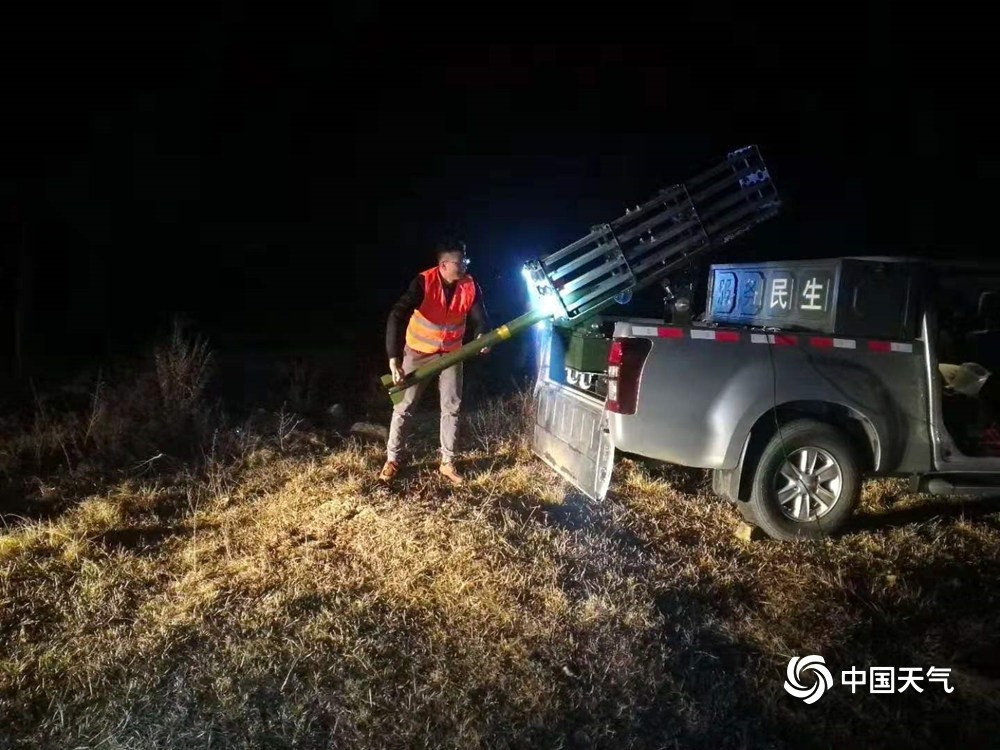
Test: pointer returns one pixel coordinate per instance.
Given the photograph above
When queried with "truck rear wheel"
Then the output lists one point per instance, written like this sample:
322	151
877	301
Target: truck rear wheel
806	484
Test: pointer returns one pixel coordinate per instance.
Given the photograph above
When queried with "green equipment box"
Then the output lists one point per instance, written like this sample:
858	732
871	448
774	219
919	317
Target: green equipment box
588	347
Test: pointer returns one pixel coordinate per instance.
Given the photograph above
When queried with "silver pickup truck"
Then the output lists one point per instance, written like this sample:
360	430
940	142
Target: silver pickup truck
797	380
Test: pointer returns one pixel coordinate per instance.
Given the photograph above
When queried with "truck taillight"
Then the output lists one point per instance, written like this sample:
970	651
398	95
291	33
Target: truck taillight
615	352
625	359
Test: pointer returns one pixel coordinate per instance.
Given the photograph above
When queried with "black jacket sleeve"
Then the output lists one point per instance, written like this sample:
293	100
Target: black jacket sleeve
399	317
478	321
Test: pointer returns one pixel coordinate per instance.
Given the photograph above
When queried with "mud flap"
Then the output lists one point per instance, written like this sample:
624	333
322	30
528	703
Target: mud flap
571	435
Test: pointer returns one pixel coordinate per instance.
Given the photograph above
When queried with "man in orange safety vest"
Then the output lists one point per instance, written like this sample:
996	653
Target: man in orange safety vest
440	307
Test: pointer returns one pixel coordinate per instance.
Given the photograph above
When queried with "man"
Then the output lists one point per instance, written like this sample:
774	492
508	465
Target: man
435	310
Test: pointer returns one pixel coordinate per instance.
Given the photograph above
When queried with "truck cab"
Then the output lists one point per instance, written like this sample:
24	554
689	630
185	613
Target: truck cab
795	381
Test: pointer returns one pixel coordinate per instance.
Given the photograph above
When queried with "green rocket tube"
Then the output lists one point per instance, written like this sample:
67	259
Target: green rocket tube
494	337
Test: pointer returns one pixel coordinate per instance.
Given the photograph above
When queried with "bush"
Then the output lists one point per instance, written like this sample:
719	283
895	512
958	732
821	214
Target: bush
157	409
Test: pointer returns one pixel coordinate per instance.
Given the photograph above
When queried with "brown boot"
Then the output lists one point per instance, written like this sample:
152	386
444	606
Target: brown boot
451	474
389	471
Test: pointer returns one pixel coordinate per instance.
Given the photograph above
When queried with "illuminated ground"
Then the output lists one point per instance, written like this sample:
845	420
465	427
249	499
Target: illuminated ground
285	599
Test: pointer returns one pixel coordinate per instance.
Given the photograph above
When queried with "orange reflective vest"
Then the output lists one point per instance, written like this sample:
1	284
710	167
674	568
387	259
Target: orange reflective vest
436	326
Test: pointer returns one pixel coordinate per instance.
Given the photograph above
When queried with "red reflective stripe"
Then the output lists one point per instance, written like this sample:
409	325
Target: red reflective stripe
822	342
730	336
670	333
880	346
782	340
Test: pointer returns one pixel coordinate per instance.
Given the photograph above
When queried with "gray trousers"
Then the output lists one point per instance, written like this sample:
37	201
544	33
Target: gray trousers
450	388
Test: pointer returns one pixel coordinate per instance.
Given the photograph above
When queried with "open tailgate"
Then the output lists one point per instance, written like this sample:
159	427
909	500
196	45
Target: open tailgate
571	436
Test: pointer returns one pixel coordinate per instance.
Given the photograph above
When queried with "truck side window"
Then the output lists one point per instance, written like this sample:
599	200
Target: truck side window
880	303
983	342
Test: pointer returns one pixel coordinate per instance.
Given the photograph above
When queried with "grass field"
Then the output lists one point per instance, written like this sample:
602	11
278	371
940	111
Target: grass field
278	596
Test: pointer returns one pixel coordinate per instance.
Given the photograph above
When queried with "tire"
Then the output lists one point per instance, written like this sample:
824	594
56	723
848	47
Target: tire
778	505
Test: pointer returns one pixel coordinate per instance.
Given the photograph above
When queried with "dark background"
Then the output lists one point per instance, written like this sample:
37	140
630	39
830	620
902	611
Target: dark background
278	177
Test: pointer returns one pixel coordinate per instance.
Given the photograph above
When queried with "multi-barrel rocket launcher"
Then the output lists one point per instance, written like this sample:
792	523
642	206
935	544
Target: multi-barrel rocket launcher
634	251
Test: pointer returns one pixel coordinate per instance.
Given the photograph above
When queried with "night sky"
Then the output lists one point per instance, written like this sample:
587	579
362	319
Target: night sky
279	177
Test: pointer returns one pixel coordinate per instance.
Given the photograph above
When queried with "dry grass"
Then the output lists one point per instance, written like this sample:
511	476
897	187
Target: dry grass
286	599
153	411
